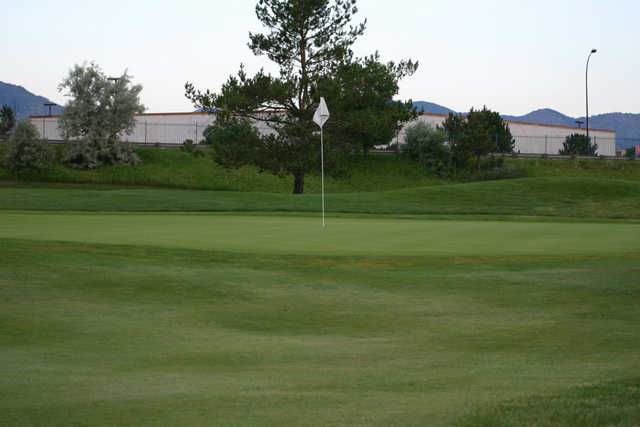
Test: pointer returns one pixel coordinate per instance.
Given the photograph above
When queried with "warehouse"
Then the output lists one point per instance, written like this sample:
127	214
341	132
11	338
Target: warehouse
175	128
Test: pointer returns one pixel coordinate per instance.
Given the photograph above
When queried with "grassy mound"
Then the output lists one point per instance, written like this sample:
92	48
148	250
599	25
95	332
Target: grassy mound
543	197
176	169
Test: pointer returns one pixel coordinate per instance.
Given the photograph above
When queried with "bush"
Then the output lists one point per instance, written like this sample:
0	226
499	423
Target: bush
630	153
188	146
426	145
26	152
4	148
234	142
578	145
94	153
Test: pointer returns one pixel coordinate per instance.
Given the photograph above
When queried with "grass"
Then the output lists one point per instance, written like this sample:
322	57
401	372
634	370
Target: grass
161	333
605	404
176	169
290	235
510	302
539	197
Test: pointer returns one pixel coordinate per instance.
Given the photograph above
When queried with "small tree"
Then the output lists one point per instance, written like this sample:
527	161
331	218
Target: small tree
477	134
578	145
630	153
100	109
27	153
426	144
7	120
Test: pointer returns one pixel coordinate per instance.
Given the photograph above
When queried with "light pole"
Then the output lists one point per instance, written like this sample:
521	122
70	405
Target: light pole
586	86
49	104
115	91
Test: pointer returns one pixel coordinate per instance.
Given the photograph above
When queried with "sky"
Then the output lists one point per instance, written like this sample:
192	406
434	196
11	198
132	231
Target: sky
512	56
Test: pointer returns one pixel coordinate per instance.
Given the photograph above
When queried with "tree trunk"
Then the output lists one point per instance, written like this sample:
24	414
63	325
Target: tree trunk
298	183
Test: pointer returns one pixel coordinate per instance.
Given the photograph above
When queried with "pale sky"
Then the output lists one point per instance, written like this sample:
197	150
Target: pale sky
513	56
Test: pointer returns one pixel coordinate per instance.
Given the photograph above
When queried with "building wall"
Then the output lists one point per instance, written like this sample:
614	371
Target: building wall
536	138
174	128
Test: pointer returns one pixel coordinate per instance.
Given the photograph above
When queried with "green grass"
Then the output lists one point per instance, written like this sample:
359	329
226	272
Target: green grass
539	197
610	403
304	236
217	331
510	302
176	169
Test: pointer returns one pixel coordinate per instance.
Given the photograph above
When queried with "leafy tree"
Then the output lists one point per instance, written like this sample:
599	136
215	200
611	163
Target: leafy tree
7	120
235	142
578	145
477	134
630	153
309	40
426	144
99	111
360	93
27	153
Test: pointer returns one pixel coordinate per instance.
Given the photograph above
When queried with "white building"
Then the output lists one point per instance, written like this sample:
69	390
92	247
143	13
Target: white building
175	128
537	138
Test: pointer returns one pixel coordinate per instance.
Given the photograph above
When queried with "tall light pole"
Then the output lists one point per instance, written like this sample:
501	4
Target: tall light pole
586	86
49	104
115	83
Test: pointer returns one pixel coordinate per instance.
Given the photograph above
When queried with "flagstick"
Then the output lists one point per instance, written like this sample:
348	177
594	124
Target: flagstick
322	168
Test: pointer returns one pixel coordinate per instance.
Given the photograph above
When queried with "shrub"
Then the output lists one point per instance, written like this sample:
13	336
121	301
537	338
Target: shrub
94	153
578	145
188	146
630	153
26	152
426	145
235	142
3	154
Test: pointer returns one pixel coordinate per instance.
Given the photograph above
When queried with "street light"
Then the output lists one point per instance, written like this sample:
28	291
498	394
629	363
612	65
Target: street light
586	85
115	82
49	104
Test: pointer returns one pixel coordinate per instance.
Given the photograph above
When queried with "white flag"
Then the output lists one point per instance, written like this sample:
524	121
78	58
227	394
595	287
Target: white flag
322	113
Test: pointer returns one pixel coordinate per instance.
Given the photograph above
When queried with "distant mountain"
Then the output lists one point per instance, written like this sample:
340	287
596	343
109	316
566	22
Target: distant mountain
626	125
24	103
432	108
546	116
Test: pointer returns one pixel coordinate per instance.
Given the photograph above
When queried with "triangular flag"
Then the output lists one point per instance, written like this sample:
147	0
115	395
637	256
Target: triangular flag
322	113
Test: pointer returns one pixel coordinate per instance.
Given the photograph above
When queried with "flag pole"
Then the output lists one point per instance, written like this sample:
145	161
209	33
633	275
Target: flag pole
320	117
322	169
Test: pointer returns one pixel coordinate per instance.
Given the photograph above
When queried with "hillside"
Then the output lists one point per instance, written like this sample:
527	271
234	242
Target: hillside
24	103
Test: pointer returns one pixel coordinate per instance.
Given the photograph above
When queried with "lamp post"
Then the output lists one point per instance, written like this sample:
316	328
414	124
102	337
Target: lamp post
49	104
586	86
115	82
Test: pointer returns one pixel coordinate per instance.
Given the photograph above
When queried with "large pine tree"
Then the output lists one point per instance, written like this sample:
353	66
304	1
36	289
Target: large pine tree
311	41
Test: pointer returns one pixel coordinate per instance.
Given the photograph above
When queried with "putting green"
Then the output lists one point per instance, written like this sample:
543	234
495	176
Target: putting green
284	235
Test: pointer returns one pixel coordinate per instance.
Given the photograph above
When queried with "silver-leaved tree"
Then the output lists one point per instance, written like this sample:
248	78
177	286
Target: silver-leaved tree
100	110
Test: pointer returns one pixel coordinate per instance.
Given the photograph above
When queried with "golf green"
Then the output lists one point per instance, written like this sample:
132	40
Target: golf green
289	235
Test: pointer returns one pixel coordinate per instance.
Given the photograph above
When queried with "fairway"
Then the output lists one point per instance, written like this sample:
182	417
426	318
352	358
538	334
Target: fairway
291	235
234	319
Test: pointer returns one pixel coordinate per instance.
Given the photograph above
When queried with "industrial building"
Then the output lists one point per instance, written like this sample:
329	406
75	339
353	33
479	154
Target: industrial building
175	128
